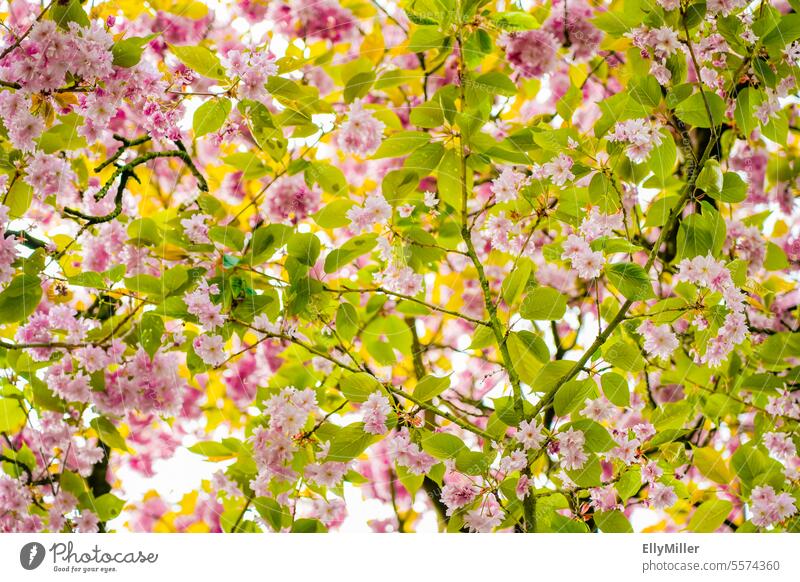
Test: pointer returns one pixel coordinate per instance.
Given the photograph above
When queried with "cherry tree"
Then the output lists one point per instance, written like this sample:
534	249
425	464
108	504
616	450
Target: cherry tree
501	266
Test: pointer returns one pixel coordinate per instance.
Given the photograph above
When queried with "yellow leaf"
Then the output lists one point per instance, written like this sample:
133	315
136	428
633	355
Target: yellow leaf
372	47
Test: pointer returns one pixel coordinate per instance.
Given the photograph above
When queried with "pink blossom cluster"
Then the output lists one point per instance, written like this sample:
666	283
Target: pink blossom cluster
210	348
598	224
531	53
570	447
196	228
376	410
199	304
507	185
50	174
529	434
45	322
408	454
603	498
640	136
23	127
8	248
144	383
588	263
780	445
274	447
290	199
375	211
769	508
570	23
252	67
787	403
661	496
361	133
400	279
327	473
710	273
558	170
48	53
486	517
748	243
658	44
458	491
322	19
659	340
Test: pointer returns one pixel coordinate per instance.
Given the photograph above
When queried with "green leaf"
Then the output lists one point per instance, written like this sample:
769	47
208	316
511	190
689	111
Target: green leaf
210	116
528	342
442	445
249	163
786	32
108	433
710	179
151	329
700	234
663	157
63	136
349	443
271	511
550	374
267	134
693	110
128	52
19	198
334	214
515	21
63	13
514	284
431	386
201	60
425	38
543	303
266	240
448	180
20	298
358	86
397	185
88	279
631	280
211	449
733	190
358	387
776	259
305	247
597	438
747	100
427	115
228	236
329	177
612	522
346	321
307	525
401	143
589	474
659	211
710	463
350	250
572	395
495	82
623	356
710	515
108	506
12	416
615	387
